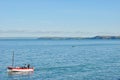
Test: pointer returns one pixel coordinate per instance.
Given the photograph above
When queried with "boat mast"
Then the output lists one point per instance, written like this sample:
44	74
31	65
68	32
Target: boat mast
13	59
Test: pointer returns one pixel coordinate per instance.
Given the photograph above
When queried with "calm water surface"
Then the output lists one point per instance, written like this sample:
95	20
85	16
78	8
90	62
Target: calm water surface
62	59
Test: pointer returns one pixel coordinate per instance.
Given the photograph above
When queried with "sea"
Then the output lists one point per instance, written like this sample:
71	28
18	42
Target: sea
61	59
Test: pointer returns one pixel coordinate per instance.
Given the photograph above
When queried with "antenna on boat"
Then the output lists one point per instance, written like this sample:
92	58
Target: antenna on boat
13	59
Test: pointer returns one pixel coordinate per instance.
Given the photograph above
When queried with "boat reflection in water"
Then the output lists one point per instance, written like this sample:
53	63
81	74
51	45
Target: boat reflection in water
20	73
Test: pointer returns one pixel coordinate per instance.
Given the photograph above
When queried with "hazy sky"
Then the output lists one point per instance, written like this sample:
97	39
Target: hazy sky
34	18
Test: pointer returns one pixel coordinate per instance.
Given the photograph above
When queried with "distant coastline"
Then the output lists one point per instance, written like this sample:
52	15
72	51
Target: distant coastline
105	37
77	38
62	38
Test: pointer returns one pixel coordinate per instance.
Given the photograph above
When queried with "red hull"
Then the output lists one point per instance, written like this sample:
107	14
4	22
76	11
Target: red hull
19	69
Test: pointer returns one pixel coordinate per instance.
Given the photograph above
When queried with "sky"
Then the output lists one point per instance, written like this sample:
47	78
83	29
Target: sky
59	18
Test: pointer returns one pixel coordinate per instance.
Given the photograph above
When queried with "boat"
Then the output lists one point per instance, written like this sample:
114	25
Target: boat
19	69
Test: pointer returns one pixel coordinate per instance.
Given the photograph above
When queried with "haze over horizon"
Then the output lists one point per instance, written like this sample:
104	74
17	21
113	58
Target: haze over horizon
63	18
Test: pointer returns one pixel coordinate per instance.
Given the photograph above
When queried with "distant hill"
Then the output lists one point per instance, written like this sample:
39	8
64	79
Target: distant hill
79	38
60	38
105	37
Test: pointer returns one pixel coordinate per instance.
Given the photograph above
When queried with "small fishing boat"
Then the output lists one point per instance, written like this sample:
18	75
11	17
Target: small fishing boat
19	69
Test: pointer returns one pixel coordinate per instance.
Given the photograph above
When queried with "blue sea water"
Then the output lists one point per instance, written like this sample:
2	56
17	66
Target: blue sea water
62	59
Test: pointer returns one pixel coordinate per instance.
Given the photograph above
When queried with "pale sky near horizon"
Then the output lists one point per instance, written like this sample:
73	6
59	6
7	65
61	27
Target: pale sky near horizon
81	18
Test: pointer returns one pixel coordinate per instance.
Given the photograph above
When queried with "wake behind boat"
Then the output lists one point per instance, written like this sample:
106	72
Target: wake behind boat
19	69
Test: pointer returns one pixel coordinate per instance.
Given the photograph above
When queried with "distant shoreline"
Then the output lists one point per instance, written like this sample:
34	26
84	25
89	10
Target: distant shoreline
79	38
62	38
